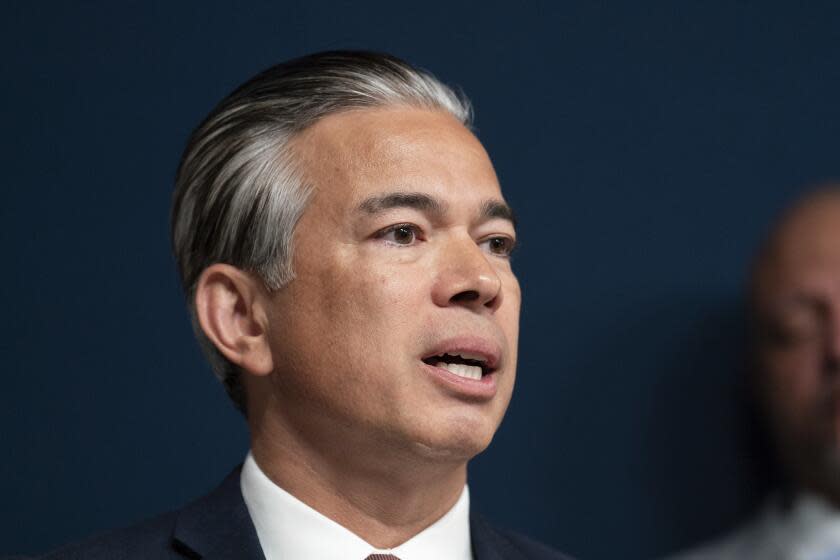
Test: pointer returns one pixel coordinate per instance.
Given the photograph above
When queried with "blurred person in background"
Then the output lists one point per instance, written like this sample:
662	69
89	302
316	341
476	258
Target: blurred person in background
794	297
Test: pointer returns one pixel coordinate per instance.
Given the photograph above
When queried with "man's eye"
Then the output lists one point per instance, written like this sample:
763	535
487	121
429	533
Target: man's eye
501	246
791	332
400	234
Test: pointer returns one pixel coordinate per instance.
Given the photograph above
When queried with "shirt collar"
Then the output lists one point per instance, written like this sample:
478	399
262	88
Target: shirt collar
808	530
288	529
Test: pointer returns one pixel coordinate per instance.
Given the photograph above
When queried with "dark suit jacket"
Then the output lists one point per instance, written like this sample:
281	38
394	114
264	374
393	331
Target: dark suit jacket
218	527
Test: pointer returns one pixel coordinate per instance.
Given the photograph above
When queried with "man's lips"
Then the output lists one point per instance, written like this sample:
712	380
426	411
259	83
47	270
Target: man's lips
473	351
465	366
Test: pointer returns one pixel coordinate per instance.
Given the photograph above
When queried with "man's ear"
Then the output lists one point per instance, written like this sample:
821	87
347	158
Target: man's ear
229	307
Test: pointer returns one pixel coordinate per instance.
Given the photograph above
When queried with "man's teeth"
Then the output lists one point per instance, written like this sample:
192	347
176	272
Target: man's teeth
466	356
462	370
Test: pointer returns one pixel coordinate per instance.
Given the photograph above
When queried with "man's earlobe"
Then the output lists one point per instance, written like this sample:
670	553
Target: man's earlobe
229	310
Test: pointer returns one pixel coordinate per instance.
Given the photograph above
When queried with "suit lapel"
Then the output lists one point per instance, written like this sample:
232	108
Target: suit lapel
488	544
218	526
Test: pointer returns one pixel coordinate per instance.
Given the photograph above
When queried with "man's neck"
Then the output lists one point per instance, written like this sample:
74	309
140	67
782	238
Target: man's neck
382	498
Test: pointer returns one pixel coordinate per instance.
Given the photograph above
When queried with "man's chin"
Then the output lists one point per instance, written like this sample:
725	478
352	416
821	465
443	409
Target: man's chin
821	474
454	445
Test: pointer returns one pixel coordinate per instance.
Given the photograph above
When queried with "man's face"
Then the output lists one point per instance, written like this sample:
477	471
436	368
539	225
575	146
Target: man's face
798	298
402	268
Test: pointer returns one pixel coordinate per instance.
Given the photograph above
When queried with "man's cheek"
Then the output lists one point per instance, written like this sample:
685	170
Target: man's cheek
384	292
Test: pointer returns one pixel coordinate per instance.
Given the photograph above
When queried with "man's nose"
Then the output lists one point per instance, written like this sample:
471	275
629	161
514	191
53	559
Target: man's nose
466	277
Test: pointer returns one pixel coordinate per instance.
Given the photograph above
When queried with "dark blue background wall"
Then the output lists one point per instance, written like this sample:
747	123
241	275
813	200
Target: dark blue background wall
646	148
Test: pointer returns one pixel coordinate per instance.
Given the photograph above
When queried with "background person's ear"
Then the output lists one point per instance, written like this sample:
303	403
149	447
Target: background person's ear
229	308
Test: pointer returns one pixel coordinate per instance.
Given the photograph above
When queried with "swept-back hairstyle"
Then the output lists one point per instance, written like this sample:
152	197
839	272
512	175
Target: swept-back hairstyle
239	192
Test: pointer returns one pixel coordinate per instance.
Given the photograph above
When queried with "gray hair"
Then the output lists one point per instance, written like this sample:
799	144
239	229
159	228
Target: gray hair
239	192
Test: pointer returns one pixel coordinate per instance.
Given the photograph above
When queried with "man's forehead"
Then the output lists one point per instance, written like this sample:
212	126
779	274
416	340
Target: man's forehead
379	157
804	263
374	137
805	242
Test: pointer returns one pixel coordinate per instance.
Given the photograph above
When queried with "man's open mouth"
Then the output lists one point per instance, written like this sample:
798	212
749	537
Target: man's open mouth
462	364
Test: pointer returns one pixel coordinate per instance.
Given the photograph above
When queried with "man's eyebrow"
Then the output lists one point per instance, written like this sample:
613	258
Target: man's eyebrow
418	201
498	209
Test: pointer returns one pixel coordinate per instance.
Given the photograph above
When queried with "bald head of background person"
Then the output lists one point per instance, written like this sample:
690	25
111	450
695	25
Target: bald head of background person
794	304
795	298
344	246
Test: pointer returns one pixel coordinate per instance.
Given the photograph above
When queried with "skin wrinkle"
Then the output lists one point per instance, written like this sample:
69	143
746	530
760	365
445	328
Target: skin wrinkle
349	421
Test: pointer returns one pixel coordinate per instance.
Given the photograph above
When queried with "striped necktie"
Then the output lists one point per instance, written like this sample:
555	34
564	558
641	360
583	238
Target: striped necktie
382	557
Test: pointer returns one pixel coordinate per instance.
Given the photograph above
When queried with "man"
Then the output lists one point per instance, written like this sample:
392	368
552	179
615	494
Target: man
345	249
795	297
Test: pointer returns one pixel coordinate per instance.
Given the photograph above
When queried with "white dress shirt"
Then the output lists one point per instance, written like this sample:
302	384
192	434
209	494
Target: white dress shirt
809	530
288	529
